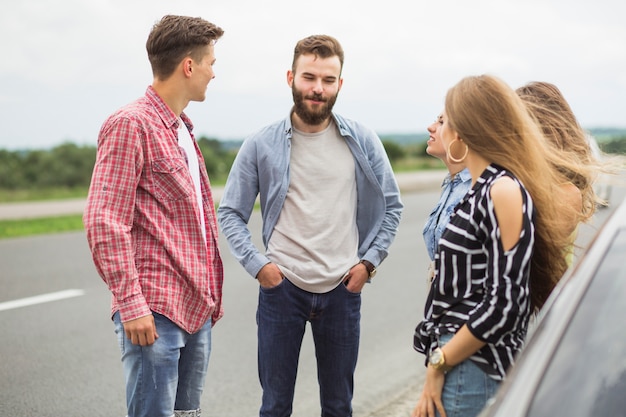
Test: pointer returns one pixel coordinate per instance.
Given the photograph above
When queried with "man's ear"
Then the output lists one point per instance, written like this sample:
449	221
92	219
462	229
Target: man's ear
290	76
187	64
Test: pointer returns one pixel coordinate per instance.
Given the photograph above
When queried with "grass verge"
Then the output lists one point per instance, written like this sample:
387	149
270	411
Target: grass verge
53	193
45	225
40	226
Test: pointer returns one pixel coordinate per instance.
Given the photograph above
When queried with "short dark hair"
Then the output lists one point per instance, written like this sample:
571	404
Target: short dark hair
175	37
322	46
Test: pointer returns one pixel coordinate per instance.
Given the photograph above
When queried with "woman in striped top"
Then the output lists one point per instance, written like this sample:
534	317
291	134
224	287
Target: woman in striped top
501	253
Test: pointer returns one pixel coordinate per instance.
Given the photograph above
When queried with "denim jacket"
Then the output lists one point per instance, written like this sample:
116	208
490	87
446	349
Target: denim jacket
261	168
452	191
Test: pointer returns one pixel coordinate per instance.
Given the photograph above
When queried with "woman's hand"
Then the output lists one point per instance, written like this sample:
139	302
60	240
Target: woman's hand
431	395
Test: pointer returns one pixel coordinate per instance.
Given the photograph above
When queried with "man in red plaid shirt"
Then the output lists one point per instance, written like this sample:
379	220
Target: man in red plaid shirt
151	226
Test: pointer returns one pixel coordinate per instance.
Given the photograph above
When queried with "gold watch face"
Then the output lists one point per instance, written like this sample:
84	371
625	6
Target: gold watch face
435	357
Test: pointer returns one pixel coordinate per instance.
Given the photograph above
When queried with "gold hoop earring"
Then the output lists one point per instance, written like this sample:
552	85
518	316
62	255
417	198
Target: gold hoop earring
452	158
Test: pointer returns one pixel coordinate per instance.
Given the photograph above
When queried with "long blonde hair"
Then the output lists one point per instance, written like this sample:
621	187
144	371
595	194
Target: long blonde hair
565	135
494	122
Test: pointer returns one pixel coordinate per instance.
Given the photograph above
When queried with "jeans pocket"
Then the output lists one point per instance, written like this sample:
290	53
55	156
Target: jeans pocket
344	284
274	288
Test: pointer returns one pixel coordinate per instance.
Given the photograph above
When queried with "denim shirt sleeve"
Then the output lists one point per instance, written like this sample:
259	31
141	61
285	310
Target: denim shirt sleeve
452	191
380	207
430	230
237	203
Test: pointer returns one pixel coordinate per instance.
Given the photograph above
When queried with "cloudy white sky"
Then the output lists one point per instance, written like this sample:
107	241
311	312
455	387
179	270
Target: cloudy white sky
67	64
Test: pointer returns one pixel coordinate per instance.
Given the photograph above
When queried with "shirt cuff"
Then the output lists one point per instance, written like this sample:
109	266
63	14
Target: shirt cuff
133	307
254	266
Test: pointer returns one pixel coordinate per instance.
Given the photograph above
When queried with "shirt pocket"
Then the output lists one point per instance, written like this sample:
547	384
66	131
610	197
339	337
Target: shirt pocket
171	179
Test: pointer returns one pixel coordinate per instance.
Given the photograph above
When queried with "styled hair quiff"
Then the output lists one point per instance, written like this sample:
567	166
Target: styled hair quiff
495	123
565	135
176	37
322	46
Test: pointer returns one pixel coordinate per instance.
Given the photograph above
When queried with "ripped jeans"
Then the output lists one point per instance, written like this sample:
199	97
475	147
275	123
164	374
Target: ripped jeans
166	378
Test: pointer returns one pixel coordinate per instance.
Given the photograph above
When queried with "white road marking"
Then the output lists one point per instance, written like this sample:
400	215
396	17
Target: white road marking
39	299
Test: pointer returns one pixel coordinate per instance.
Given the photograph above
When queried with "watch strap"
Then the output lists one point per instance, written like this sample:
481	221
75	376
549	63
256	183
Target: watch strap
371	269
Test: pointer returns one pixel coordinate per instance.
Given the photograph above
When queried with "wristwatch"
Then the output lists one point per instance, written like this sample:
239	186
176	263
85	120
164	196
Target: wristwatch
438	361
371	269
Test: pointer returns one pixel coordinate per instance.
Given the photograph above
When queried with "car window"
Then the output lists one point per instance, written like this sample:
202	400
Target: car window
587	375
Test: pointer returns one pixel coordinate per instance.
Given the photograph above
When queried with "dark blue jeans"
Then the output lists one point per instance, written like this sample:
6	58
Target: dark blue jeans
282	315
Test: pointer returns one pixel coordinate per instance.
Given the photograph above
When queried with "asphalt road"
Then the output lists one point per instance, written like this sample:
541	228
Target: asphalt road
60	358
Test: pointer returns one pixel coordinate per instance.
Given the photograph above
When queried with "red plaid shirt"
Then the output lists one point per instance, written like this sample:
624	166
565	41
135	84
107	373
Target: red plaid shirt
143	223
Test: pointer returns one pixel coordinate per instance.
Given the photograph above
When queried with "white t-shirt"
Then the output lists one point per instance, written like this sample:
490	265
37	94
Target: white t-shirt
186	143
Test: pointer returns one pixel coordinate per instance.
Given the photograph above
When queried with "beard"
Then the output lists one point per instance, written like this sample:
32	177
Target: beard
309	116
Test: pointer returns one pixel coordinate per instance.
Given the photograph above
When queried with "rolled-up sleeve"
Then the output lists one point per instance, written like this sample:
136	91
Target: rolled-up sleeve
108	215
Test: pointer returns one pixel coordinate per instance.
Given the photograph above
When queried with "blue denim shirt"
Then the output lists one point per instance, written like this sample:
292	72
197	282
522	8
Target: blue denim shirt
452	191
261	168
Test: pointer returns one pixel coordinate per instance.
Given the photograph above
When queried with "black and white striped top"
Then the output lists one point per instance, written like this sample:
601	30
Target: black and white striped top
478	283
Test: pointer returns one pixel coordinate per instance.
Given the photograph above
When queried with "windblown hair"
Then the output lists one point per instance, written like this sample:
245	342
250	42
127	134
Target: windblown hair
565	135
494	122
322	46
176	37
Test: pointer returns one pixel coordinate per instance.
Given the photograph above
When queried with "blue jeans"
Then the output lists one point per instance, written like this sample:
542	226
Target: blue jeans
167	377
282	315
467	388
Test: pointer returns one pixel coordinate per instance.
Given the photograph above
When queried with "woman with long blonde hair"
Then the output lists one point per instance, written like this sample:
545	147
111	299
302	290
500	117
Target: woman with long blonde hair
502	252
565	135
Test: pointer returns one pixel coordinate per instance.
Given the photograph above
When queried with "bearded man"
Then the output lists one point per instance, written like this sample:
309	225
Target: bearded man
331	207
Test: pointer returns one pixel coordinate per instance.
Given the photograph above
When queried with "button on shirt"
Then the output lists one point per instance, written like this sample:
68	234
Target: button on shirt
143	221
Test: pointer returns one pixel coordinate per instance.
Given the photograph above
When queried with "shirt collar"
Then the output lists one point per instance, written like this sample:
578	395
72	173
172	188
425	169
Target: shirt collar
461	176
165	113
289	128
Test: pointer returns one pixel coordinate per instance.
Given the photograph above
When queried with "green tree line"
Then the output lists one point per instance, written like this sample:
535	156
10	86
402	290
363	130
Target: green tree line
70	166
614	146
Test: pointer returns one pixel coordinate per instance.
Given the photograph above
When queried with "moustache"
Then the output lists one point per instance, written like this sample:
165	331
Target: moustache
316	97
